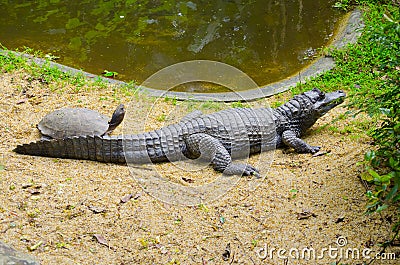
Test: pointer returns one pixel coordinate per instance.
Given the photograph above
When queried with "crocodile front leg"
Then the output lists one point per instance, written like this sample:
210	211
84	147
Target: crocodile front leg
290	139
210	149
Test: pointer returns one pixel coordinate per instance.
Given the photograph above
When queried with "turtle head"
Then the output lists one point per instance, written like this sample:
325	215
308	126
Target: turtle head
116	118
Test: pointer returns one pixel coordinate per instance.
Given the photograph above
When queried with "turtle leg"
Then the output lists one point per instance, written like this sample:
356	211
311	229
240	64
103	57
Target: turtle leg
46	137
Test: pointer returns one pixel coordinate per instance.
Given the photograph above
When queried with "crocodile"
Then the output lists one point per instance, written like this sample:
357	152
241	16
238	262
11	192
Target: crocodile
217	137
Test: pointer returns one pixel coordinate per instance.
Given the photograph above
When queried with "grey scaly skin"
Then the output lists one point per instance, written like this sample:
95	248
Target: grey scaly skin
216	137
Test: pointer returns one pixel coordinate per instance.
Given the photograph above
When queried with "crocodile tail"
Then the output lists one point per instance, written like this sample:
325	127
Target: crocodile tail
96	148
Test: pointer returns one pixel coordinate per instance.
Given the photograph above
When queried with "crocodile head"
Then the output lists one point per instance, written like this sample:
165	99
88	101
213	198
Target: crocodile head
323	102
313	104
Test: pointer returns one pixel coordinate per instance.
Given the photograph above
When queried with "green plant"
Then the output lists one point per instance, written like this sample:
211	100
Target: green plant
62	245
237	104
173	100
380	66
211	105
10	61
370	72
110	74
343	4
276	104
162	117
34	213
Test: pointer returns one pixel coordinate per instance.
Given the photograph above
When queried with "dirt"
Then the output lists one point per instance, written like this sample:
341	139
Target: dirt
85	212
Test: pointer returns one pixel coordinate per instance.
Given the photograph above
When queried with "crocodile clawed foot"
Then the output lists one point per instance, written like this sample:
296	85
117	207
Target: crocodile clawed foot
242	170
314	149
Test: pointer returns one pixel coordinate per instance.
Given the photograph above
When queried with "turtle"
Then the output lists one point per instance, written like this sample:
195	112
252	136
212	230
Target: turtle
68	122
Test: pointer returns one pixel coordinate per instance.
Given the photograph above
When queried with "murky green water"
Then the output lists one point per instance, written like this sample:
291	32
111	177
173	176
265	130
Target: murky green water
269	40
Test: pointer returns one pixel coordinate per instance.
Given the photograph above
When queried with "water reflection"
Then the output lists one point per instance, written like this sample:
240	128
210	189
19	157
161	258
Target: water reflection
267	39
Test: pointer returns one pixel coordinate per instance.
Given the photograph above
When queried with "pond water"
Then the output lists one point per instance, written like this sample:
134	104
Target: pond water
267	39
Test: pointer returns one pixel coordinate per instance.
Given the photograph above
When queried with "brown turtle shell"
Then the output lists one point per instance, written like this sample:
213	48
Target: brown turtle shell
67	122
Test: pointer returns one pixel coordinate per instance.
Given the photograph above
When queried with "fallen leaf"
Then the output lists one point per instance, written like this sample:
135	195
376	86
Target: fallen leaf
339	219
126	198
137	196
188	180
101	239
27	185
96	209
34	247
321	153
305	215
163	249
25	238
21	101
33	189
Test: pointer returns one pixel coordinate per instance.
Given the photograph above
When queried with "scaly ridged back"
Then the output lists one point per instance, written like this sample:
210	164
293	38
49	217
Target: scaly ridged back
241	131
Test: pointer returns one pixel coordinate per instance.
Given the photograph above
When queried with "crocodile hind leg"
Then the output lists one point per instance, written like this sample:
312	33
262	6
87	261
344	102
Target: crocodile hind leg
290	139
210	149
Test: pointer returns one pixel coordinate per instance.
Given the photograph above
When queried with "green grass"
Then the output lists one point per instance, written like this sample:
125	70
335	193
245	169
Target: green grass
211	105
46	73
162	117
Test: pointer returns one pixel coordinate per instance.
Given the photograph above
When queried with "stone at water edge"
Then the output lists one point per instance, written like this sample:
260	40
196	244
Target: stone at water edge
8	255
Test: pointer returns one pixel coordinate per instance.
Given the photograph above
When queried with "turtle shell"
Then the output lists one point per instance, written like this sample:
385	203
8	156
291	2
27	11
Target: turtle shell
67	122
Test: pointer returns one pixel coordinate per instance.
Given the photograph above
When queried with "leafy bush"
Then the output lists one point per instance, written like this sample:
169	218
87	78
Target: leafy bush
378	57
370	71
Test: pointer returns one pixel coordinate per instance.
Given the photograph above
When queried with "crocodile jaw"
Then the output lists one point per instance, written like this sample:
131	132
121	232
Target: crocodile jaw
330	101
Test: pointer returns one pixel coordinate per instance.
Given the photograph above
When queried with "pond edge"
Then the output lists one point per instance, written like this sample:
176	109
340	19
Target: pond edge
348	32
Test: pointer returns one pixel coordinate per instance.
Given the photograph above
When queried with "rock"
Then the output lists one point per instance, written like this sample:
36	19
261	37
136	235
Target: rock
10	256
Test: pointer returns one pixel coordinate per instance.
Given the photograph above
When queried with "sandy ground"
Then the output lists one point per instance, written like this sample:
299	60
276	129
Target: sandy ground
72	210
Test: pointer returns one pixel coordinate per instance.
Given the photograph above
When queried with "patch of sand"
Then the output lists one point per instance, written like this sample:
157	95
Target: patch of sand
64	203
